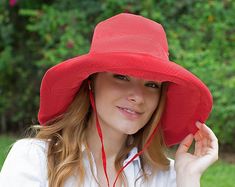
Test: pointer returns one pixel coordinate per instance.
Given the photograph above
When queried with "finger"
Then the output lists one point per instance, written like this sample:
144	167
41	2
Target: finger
205	144
185	144
198	144
198	148
198	136
212	139
205	130
210	142
201	143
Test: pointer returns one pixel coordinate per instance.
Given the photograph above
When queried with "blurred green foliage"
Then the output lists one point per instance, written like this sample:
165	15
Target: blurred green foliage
6	141
35	35
220	174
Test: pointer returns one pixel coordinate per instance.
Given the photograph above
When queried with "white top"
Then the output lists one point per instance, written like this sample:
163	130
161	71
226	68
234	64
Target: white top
26	166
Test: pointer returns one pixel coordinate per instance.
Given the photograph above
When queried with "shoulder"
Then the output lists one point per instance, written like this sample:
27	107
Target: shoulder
29	148
26	163
31	144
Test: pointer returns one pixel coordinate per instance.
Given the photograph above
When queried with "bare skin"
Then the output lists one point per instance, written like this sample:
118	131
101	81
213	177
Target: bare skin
112	92
112	145
190	167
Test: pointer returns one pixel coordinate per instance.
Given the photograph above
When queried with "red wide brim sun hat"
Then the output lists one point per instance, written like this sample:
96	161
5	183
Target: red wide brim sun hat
131	45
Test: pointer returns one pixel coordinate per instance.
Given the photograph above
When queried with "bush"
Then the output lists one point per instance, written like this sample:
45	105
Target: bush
37	35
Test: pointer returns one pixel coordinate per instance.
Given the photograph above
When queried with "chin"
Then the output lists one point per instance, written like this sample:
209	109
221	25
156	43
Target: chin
130	128
130	131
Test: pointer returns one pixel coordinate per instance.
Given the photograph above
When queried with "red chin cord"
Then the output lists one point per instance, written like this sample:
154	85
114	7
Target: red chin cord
146	145
99	133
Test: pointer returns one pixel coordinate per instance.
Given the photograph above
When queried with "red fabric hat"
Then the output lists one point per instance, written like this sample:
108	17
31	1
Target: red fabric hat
136	46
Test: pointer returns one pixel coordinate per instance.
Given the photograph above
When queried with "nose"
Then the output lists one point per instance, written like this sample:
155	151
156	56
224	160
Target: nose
136	94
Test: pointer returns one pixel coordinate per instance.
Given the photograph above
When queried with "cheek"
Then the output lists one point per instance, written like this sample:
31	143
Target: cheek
105	95
105	99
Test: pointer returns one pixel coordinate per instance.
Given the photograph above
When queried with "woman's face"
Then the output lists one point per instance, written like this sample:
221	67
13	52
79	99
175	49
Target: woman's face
124	104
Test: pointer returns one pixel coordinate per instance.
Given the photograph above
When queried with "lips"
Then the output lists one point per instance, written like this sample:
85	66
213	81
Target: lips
129	112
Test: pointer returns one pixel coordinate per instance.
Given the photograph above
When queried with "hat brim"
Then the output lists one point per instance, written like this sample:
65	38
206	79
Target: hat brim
188	98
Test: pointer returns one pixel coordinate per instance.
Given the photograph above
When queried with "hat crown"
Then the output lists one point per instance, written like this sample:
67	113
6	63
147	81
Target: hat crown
130	33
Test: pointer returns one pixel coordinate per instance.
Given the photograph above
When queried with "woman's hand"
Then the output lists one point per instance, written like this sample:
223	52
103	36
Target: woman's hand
189	167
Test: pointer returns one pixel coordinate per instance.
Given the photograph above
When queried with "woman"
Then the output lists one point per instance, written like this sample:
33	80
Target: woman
106	116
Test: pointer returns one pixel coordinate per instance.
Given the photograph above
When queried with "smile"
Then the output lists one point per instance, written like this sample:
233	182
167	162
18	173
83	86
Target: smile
129	113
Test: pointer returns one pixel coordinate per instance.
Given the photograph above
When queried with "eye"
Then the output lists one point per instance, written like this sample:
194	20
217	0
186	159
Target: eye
121	77
153	85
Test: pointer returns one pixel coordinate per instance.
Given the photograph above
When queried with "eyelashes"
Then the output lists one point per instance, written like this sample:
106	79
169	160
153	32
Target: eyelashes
126	78
153	85
121	77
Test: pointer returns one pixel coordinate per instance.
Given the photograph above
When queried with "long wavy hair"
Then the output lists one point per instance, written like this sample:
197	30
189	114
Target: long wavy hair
66	139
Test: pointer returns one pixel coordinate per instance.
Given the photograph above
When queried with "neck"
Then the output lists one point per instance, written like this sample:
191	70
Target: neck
113	140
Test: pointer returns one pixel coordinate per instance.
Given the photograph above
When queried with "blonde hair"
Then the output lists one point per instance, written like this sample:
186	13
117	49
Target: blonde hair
66	134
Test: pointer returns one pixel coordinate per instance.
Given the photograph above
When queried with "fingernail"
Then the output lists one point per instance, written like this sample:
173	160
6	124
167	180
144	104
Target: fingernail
198	124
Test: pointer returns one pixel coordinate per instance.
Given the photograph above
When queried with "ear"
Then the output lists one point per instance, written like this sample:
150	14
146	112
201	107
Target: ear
90	85
91	81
